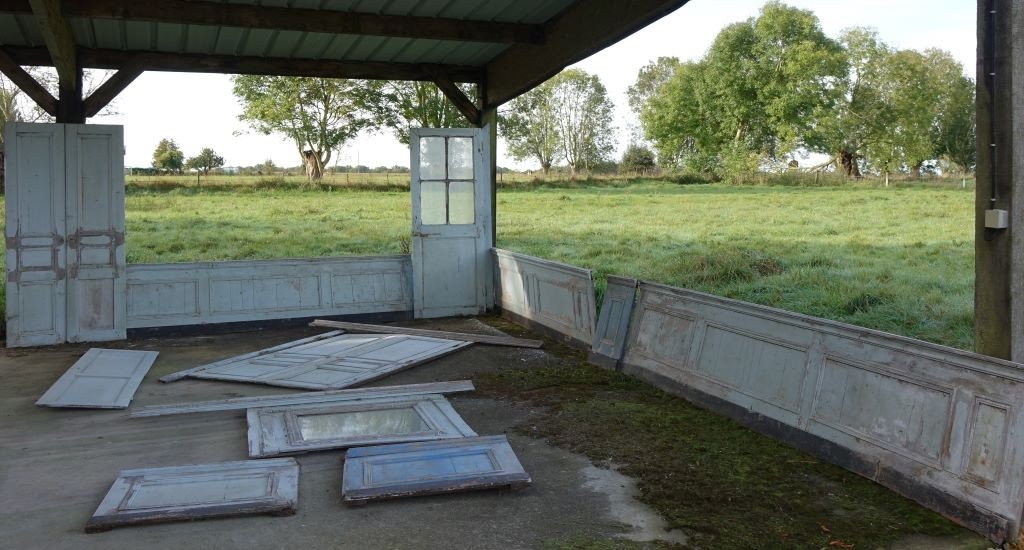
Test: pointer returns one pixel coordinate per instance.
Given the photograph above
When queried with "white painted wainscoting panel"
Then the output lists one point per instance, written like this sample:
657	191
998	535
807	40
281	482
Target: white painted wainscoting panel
941	425
553	295
219	292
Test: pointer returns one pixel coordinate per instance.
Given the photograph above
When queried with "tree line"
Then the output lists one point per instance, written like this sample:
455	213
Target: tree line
776	86
769	92
168	157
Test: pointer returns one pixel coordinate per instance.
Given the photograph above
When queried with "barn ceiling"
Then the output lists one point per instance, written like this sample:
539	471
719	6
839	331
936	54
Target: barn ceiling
507	46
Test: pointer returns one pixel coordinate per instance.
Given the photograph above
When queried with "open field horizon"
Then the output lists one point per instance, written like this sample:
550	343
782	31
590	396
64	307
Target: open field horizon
898	259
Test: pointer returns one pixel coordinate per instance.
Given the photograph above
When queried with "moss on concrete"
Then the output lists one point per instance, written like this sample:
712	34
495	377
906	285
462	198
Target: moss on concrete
724	485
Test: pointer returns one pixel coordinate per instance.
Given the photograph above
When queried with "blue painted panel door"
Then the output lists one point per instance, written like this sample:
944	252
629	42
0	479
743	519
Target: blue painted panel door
393	471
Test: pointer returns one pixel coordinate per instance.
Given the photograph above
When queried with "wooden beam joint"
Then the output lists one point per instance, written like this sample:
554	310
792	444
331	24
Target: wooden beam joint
458	98
102	96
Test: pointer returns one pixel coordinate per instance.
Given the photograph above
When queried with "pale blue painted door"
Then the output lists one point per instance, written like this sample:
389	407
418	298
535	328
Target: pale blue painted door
451	221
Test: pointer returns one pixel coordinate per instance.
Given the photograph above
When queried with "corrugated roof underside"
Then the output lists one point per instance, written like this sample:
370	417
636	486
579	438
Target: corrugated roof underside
21	30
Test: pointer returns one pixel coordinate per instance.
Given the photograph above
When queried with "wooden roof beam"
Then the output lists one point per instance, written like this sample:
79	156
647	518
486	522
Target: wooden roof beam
584	28
32	88
115	84
459	99
226	64
296	19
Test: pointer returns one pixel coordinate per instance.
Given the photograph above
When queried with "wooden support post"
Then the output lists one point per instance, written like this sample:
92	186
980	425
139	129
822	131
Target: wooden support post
60	43
70	106
999	253
489	122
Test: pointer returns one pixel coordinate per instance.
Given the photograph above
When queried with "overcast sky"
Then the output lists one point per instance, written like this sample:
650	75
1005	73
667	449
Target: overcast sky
198	110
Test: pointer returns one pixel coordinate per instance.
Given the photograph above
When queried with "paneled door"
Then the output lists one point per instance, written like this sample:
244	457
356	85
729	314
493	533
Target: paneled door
35	233
65	258
96	299
451	221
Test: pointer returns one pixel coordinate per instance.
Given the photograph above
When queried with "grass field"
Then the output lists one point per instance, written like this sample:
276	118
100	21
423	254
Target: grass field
898	259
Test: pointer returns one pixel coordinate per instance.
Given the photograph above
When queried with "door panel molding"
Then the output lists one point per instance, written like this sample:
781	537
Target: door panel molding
452	272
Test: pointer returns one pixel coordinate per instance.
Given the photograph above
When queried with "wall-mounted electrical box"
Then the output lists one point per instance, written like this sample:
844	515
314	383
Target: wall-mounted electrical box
997	219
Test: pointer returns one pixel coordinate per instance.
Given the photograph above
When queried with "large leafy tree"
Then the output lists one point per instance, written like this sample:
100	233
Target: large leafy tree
673	118
168	156
856	122
954	131
530	128
317	114
569	117
649	81
755	92
402	105
583	114
206	160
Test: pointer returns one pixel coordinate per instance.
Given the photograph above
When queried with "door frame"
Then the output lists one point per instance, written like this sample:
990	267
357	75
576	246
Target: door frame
480	230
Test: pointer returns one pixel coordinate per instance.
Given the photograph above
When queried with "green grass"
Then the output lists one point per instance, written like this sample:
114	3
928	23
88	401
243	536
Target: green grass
899	259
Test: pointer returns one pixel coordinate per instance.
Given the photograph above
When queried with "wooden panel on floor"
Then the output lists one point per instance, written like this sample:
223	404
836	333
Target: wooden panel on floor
463	336
157	495
333	363
432	467
100	379
275	431
329	396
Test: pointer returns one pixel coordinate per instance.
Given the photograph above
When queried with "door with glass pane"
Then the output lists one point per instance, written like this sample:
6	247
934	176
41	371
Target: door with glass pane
451	221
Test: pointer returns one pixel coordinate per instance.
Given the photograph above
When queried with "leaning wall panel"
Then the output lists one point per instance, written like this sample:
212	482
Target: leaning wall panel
555	296
942	426
219	292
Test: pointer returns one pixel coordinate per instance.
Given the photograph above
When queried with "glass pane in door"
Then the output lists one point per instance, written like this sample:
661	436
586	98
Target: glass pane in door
432	203
432	158
460	158
460	202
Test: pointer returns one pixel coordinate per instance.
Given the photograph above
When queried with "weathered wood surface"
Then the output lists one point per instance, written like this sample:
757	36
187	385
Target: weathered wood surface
451	222
276	431
148	60
96	291
433	467
36	230
28	84
219	292
555	296
281	18
100	379
999	180
65	257
613	323
287	345
463	336
307	398
157	495
334	363
940	425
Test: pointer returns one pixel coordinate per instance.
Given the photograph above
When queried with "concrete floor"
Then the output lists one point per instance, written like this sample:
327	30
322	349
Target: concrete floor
56	465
